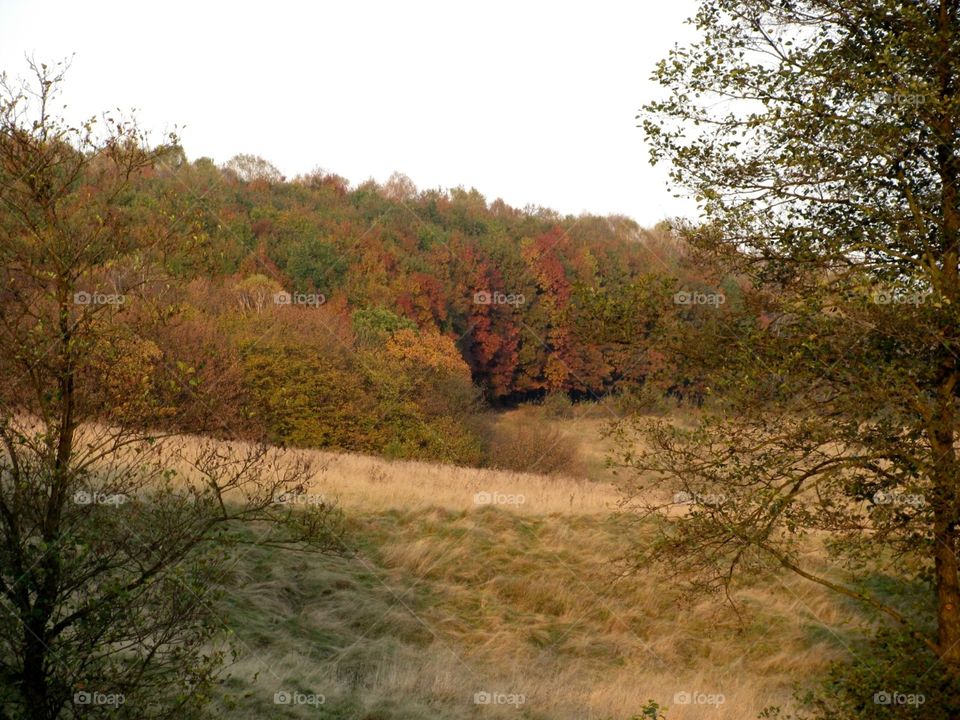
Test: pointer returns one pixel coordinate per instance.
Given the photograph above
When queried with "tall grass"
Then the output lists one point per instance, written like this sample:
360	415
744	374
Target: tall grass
440	597
437	605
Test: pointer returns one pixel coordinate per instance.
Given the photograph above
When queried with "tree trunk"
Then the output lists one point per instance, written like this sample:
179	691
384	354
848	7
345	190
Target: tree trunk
948	596
35	687
946	511
945	477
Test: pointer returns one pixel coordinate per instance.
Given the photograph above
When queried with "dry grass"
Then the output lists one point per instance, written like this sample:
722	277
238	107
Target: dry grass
544	593
445	598
445	604
373	484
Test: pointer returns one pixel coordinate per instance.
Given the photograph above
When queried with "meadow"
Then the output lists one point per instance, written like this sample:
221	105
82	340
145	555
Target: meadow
443	596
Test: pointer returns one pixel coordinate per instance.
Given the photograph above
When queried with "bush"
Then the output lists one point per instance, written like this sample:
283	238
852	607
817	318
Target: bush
526	443
650	711
646	399
441	439
308	400
891	676
557	406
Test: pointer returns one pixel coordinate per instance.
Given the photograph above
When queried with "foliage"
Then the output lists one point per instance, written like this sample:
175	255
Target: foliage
891	676
111	535
823	141
650	711
376	324
512	287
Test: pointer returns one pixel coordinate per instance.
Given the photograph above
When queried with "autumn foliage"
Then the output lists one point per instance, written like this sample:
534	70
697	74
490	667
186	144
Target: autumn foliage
381	318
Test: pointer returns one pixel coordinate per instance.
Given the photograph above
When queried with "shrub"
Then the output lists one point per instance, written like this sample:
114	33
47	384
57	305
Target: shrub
526	443
557	406
308	400
891	676
650	711
440	439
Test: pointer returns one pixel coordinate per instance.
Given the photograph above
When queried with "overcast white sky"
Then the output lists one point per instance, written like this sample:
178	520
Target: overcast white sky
532	102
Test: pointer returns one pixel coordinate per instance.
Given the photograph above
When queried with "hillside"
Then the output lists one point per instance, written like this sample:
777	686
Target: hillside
441	598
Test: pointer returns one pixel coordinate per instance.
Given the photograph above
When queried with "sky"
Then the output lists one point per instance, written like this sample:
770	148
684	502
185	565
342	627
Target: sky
531	102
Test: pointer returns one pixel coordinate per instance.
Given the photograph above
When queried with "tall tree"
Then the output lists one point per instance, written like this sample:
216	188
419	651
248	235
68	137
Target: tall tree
111	536
822	140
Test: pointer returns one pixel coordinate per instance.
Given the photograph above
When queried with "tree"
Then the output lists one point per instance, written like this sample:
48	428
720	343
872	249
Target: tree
256	292
250	168
399	188
111	535
822	140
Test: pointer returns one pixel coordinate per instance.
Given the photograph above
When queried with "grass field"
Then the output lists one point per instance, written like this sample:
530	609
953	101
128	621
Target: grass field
440	599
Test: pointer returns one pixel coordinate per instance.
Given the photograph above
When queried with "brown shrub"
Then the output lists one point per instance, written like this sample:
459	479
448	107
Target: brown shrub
525	442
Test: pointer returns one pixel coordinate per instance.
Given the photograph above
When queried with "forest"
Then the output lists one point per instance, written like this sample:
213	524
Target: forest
390	291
